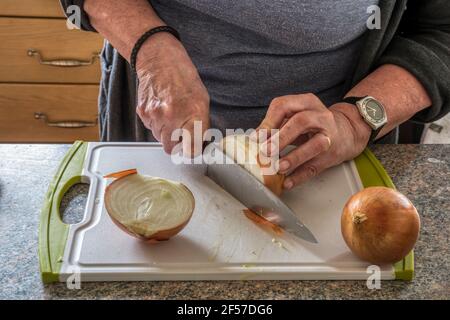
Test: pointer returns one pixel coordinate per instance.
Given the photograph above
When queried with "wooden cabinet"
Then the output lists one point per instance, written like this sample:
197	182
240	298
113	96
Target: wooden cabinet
35	50
49	75
31	8
48	112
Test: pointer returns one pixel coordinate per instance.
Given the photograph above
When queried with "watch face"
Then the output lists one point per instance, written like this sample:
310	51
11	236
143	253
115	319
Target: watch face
374	110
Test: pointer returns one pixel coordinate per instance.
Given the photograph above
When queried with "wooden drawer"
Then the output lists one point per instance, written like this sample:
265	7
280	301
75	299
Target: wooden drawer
19	104
53	41
31	8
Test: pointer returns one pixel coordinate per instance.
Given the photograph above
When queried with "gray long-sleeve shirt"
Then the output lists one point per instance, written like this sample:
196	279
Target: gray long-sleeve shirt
248	52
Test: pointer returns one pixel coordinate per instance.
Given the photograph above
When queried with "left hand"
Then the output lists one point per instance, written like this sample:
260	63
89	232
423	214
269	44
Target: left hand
325	136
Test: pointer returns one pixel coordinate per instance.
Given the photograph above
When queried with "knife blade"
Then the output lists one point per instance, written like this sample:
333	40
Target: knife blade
253	194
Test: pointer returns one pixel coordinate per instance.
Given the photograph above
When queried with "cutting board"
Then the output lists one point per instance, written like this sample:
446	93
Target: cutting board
219	243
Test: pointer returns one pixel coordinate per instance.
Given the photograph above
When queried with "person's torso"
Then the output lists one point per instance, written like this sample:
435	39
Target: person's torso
251	51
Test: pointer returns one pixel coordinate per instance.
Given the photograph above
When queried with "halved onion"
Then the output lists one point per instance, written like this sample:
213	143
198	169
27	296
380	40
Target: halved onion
245	152
149	208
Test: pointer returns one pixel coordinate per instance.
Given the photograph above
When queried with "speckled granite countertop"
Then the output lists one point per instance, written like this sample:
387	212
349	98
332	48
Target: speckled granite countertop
421	172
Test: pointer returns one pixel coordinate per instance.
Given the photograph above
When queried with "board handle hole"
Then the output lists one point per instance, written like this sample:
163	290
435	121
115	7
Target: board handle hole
73	203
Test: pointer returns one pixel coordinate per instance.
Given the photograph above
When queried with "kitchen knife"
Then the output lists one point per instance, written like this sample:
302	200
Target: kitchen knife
253	194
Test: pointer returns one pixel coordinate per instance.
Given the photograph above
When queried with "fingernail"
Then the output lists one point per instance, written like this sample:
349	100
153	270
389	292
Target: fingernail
288	184
284	165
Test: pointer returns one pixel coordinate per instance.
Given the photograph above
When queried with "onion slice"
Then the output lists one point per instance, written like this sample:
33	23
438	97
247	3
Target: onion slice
149	208
263	222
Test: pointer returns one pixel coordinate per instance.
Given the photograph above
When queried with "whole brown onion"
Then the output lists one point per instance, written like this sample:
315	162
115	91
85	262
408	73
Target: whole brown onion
380	225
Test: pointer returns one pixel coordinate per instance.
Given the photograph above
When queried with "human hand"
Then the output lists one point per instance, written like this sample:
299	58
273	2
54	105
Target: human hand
325	137
171	94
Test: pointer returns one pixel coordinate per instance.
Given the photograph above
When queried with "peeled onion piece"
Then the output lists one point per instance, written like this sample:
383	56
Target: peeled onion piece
149	208
245	152
380	225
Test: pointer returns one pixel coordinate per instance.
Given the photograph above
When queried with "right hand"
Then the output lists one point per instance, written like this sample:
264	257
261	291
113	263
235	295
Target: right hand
171	94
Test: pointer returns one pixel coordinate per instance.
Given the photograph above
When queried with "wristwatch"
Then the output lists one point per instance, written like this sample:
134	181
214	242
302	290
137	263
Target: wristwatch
372	111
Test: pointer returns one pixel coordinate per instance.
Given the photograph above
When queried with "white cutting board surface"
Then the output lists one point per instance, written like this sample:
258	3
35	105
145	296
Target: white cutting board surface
219	243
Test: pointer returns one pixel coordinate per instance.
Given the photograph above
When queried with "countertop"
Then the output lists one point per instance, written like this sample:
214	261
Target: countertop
422	172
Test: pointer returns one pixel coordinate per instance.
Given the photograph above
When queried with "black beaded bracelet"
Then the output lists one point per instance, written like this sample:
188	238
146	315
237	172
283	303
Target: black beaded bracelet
144	37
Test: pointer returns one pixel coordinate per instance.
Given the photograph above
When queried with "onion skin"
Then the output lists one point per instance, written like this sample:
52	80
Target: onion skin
121	174
380	225
273	182
162	235
262	222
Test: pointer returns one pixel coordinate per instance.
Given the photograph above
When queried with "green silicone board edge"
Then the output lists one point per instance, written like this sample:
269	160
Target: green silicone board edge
52	231
372	173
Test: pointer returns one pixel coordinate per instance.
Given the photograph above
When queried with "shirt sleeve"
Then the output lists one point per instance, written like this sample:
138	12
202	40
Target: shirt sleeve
422	46
85	24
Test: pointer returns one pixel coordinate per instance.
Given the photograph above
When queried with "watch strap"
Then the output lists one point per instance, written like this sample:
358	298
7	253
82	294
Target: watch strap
352	100
374	134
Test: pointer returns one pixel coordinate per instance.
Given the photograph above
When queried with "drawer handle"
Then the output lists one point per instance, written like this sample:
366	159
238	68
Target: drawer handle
64	124
62	62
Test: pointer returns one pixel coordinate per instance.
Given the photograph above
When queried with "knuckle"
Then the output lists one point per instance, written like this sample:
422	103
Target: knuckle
312	99
298	176
299	119
146	110
329	115
277	105
308	96
169	113
140	109
304	173
311	171
276	102
294	158
324	118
